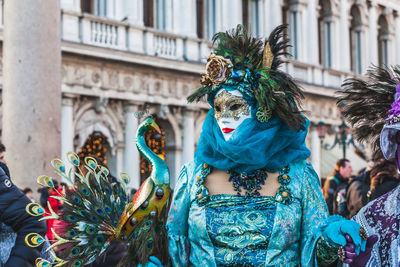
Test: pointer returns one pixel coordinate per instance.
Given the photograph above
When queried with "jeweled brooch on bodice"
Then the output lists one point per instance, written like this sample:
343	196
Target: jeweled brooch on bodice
250	182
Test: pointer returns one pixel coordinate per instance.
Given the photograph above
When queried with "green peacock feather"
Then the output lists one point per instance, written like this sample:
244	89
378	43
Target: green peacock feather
97	211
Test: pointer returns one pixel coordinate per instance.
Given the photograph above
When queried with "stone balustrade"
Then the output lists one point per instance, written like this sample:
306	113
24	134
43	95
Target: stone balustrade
105	32
97	31
316	75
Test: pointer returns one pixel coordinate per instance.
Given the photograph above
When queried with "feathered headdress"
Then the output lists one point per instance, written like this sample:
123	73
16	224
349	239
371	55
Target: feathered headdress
373	107
251	66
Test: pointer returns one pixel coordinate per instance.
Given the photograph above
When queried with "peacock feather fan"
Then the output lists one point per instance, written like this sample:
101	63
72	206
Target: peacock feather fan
241	58
97	211
89	209
366	103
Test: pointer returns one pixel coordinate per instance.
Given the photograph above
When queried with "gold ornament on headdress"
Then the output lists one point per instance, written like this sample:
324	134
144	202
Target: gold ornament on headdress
268	57
217	70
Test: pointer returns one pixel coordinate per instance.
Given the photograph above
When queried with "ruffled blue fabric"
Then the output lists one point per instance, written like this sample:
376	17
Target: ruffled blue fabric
253	145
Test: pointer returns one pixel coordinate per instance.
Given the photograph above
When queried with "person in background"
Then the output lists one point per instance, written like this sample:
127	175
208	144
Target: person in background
29	193
2	152
357	189
44	196
63	185
384	177
335	187
15	225
55	205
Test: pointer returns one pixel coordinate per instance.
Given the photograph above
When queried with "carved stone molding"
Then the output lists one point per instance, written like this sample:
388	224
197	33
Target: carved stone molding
82	76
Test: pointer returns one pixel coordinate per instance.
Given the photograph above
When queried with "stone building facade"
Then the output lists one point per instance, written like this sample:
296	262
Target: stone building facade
124	58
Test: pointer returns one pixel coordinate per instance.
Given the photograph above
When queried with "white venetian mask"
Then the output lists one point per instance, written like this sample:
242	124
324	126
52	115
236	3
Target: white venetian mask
230	110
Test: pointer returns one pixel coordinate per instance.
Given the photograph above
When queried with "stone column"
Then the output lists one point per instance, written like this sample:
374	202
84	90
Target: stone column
131	154
169	15
134	12
188	136
67	130
32	88
315	150
234	16
262	19
397	36
344	36
336	45
110	10
185	23
312	32
296	28
71	10
220	16
275	12
373	36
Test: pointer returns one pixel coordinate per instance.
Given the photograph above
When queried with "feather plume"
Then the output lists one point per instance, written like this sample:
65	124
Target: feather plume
275	91
366	103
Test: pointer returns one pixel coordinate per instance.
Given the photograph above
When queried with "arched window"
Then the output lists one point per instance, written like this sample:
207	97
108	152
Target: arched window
356	40
383	41
98	146
325	21
252	15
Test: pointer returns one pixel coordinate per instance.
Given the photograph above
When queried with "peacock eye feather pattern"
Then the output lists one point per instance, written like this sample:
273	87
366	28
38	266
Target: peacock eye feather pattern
257	63
97	210
45	181
375	95
34	209
73	158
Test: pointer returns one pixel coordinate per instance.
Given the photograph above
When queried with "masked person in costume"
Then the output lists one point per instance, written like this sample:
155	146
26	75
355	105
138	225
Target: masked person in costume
248	199
380	96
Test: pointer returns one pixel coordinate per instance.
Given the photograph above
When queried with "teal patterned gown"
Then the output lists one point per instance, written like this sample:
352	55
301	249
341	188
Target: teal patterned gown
227	230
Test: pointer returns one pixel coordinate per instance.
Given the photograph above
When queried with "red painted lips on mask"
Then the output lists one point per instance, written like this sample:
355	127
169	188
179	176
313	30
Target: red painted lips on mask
227	130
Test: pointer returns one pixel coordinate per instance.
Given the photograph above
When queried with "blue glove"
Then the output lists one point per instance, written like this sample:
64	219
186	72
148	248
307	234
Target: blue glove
153	262
336	229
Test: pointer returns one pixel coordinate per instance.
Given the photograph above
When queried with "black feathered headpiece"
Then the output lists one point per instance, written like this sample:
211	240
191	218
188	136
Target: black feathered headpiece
369	106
